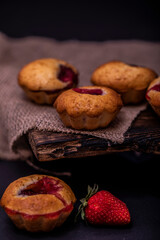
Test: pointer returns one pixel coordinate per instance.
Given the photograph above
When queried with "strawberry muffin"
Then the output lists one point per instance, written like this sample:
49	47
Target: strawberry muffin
38	202
44	79
153	95
130	81
88	107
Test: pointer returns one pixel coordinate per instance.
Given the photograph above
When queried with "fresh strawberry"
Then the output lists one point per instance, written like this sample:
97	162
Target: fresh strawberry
102	208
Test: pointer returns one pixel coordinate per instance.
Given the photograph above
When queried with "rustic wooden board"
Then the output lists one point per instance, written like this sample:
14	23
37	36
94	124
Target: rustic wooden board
142	136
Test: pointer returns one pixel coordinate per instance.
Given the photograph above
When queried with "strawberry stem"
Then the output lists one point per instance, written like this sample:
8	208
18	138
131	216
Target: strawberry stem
84	201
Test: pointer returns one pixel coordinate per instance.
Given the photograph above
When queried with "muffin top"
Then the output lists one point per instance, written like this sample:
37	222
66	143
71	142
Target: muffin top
153	93
37	195
47	74
89	100
122	77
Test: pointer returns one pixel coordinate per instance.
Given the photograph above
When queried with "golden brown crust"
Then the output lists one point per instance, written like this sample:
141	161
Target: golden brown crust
42	75
76	104
42	97
40	224
86	111
154	96
133	96
36	204
122	77
86	122
19	207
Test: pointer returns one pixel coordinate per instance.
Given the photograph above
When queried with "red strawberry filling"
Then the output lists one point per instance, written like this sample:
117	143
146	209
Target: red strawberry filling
43	186
66	74
155	87
94	91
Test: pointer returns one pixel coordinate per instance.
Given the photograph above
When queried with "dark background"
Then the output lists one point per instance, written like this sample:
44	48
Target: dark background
132	177
83	20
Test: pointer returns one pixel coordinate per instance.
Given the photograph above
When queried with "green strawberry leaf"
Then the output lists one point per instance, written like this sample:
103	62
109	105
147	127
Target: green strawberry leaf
84	201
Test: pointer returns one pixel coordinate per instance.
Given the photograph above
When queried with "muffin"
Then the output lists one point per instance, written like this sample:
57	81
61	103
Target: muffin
153	95
44	79
88	107
38	202
130	81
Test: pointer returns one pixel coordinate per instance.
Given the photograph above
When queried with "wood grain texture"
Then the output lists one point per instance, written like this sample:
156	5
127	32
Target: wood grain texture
142	136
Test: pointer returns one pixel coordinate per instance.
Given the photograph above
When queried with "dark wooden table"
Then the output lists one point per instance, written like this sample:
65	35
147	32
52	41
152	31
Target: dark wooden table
142	136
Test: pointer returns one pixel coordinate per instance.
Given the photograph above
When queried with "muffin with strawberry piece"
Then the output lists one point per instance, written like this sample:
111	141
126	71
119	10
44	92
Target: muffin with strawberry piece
38	202
88	107
44	79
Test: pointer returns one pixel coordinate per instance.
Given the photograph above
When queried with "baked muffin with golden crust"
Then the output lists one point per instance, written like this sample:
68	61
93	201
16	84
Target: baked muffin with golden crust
153	95
44	79
130	81
38	202
88	107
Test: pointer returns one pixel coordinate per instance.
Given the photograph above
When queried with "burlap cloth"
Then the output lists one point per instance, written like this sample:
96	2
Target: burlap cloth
18	114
